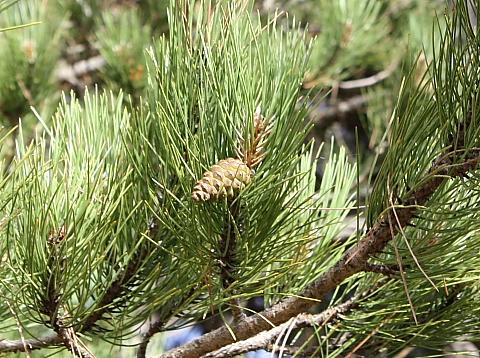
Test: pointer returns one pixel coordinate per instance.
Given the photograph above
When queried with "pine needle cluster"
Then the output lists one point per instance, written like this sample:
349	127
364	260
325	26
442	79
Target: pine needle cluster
185	202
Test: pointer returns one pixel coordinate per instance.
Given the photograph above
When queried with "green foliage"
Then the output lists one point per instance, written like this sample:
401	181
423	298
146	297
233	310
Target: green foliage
98	225
26	69
123	40
353	36
207	81
73	185
104	193
439	254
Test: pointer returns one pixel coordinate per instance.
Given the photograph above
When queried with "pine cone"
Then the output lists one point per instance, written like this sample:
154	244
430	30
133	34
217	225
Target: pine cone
254	152
224	179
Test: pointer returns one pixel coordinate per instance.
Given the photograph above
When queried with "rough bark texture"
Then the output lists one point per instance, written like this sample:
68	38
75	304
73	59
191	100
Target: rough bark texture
264	339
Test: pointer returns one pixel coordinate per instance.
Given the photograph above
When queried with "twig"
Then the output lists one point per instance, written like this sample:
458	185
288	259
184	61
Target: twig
52	299
324	117
153	329
70	73
369	81
53	296
71	341
382	269
228	260
264	339
115	291
353	261
51	302
22	345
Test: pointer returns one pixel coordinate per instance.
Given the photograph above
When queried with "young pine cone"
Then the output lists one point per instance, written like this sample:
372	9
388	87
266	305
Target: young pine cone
256	152
224	179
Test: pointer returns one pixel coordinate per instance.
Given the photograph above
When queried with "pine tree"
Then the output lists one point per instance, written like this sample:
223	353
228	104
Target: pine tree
199	192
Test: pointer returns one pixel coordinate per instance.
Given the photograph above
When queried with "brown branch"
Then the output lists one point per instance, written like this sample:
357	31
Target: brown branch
369	81
117	287
71	342
264	339
50	303
113	292
353	261
228	257
382	269
323	118
153	329
20	345
71	73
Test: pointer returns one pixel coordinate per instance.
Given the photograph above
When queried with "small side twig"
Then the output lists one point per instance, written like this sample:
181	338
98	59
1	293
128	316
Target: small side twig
264	339
382	269
116	289
371	80
323	118
24	345
228	257
153	329
52	300
71	341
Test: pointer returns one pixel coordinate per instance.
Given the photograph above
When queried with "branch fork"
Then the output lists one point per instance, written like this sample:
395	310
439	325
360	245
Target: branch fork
353	261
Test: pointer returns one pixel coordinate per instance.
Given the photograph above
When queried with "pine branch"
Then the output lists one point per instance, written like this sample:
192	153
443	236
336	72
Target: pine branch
264	339
71	341
52	299
153	329
71	73
228	257
371	80
352	262
66	335
325	117
31	344
116	289
382	269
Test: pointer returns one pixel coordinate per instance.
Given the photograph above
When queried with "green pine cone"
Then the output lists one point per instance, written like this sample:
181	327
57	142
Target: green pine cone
224	179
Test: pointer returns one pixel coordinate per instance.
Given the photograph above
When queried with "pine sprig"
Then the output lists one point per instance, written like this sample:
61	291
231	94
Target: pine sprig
197	120
425	204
